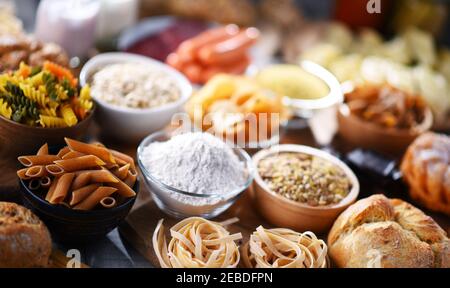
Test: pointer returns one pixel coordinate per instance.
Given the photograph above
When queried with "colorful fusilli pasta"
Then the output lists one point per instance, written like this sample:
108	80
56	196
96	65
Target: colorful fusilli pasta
36	80
68	115
5	109
51	122
85	101
46	96
48	111
33	94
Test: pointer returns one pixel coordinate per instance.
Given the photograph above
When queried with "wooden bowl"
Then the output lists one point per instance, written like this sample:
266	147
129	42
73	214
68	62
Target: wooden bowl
19	139
390	141
300	217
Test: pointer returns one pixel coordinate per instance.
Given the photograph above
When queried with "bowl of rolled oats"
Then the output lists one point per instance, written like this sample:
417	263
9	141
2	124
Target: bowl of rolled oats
136	95
301	187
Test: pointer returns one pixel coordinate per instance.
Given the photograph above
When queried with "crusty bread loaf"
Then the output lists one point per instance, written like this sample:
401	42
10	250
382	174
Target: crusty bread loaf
24	239
426	170
381	232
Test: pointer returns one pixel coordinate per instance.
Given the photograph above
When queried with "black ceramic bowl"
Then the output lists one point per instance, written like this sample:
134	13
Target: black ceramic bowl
71	226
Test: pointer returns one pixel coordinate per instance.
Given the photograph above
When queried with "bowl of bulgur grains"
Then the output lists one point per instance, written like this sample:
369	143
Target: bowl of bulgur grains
302	188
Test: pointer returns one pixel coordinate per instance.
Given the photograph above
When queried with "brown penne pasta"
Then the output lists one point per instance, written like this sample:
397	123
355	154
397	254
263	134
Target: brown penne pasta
72	154
34	184
81	180
54	170
80	194
43	150
94	198
33	160
21	174
122	189
121	162
112	166
62	188
131	178
93	176
100	144
45	182
101	152
63	152
108	202
123	157
80	163
121	172
51	190
37	171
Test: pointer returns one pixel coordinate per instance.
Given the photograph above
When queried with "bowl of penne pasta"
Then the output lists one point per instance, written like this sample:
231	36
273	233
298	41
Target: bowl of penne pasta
81	191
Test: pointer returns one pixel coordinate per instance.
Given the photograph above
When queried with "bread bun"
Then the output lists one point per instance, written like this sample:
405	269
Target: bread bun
24	239
426	170
387	233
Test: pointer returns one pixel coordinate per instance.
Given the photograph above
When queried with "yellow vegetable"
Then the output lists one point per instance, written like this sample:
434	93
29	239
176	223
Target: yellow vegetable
292	81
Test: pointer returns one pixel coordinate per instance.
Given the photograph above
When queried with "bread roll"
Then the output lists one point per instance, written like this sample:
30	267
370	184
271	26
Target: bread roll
387	233
17	48
426	170
24	240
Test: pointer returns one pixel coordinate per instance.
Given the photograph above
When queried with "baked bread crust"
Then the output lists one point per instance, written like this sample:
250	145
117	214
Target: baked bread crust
426	170
16	48
387	233
24	240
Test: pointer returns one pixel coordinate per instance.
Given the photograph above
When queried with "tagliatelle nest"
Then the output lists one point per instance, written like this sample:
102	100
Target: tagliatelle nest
284	248
197	243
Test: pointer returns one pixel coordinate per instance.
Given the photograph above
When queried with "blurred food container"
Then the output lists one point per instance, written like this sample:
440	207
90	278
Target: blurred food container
70	24
157	37
429	15
114	17
9	24
382	118
241	12
362	13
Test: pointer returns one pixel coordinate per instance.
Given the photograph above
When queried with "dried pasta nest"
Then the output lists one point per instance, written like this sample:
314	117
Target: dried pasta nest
197	243
284	248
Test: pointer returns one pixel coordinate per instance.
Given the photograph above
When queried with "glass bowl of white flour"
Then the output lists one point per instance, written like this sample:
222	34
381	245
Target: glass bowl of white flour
193	174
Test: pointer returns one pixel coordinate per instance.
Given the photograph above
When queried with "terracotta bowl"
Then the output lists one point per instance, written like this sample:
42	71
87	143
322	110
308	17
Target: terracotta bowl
18	139
300	217
390	141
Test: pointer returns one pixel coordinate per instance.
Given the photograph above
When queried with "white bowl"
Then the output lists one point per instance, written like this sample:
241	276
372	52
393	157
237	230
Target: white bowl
133	124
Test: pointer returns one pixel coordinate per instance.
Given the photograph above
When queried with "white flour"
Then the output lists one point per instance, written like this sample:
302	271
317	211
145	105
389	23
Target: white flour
197	163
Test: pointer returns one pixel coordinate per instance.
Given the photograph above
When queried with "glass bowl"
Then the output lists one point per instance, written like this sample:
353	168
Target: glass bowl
182	204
